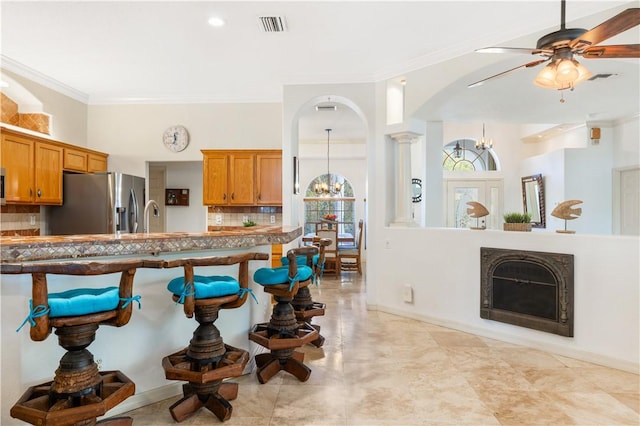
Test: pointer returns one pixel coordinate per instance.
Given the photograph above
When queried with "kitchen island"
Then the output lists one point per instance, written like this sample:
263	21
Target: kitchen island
158	329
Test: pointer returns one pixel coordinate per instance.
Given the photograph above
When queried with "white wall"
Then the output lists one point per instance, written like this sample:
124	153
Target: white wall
132	134
443	266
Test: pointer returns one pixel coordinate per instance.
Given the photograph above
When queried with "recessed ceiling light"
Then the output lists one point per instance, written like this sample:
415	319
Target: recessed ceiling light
216	21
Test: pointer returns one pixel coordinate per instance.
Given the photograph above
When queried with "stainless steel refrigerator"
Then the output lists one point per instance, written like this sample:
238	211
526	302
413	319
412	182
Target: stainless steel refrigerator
100	203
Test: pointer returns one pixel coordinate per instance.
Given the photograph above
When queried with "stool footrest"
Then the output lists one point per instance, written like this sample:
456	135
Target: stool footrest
177	366
36	407
316	309
305	334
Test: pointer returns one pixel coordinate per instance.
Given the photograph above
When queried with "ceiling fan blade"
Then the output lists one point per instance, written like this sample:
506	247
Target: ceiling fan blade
621	22
613	51
507	50
527	65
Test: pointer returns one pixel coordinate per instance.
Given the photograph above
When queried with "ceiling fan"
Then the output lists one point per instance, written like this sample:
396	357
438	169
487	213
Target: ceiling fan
559	48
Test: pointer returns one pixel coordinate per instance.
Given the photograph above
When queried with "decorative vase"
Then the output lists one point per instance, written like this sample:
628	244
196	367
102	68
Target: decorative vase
329	225
522	227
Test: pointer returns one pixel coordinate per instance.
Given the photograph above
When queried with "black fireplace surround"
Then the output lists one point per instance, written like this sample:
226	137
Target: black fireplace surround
527	288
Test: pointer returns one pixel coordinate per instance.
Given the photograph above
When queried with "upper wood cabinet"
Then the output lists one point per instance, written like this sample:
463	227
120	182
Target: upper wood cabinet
33	170
242	177
215	175
82	160
34	166
242	173
269	179
48	176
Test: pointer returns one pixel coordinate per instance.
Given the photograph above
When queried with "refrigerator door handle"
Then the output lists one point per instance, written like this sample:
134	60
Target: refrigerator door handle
133	212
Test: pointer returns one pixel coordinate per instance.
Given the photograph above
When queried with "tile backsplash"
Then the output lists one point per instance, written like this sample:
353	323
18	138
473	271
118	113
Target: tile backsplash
234	216
16	220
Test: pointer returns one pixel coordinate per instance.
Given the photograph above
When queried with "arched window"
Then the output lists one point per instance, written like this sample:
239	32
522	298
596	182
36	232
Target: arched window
461	155
342	205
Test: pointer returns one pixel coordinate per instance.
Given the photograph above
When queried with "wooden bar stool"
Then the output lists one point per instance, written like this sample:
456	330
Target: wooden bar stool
207	361
79	392
282	334
305	308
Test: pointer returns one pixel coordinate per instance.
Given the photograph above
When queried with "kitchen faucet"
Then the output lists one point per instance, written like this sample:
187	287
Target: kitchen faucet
156	213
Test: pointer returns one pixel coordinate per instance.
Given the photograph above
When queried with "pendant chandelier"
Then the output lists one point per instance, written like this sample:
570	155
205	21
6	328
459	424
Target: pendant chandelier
483	144
457	150
324	187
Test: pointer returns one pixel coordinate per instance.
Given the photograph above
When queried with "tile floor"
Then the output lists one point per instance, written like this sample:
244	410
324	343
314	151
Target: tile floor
380	369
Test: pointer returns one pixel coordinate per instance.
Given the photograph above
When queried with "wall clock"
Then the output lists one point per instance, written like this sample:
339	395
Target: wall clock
416	187
176	138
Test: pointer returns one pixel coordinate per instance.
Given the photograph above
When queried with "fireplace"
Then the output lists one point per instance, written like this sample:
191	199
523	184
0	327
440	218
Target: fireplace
528	289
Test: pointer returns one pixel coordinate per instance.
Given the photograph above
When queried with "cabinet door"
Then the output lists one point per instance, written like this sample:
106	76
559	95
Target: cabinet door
97	163
17	159
48	174
269	181
215	176
241	179
75	160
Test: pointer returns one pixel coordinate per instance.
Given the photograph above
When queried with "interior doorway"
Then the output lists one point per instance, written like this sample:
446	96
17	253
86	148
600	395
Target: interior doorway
627	187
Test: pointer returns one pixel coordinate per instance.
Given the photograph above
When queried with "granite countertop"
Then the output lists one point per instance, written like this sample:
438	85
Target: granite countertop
24	249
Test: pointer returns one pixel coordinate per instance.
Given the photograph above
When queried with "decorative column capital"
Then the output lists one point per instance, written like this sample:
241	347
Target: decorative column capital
405	137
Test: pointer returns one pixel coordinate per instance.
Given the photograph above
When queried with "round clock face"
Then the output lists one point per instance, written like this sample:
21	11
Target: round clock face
176	138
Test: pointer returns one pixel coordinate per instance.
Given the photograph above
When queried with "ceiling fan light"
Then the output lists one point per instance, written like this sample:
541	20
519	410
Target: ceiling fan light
567	71
547	77
583	73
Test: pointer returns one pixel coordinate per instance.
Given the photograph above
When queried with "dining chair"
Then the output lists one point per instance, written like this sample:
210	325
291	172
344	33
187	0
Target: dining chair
331	258
350	259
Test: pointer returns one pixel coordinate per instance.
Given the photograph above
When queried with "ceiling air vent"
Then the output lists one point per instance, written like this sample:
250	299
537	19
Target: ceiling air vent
272	24
326	107
597	76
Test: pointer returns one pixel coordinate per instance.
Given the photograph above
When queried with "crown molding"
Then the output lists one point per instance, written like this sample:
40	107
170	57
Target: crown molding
37	77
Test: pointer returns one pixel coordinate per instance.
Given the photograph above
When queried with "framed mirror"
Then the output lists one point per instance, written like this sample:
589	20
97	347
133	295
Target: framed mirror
533	199
416	189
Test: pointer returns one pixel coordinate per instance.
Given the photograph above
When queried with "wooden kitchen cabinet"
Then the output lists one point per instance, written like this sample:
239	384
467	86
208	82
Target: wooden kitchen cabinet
33	170
48	174
242	177
215	174
97	162
18	162
75	160
34	166
269	179
82	160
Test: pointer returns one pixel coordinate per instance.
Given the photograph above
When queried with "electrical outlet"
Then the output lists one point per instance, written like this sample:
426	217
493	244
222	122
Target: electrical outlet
387	244
99	362
218	219
245	218
272	218
407	294
32	219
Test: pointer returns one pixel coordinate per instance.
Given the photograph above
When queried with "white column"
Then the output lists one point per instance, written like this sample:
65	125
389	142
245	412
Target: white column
404	194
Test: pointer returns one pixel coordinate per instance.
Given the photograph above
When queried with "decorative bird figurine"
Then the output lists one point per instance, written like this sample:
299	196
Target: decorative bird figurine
566	210
477	210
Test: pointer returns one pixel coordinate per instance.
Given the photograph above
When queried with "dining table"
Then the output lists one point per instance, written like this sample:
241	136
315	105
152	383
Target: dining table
344	238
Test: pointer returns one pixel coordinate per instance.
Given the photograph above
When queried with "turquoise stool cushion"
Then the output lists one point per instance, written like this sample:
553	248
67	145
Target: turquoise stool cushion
274	276
83	301
300	260
206	287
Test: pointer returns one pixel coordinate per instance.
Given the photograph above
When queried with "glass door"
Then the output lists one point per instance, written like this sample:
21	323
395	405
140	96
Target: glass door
488	192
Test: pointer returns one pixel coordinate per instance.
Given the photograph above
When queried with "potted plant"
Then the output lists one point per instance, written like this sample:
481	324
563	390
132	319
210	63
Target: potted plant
516	221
